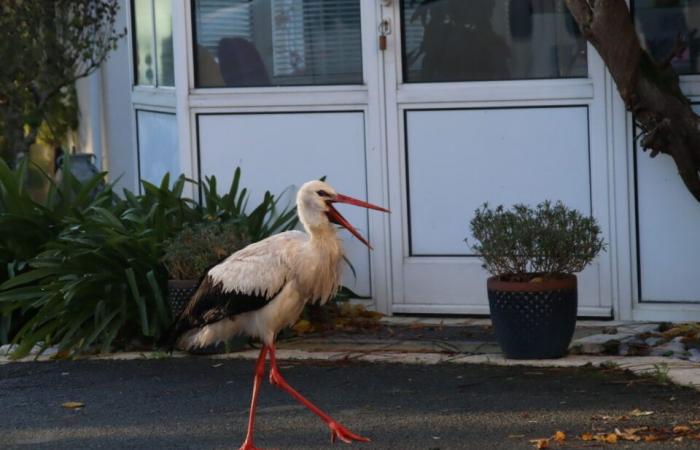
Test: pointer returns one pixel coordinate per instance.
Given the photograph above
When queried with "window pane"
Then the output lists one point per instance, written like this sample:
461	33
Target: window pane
460	40
277	42
143	47
659	22
164	42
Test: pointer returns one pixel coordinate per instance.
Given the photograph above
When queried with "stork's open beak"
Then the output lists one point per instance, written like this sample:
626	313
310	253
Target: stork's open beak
335	217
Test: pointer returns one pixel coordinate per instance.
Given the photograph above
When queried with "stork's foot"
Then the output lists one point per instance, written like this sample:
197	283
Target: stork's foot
248	446
340	432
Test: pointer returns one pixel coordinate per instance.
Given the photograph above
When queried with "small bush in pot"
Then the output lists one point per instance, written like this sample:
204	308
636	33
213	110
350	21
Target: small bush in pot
533	255
194	250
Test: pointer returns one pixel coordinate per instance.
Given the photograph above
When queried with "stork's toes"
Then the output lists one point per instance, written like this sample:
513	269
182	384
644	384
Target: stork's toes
340	432
248	446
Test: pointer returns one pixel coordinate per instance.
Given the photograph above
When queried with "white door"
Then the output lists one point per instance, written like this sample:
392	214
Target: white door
281	88
497	101
665	215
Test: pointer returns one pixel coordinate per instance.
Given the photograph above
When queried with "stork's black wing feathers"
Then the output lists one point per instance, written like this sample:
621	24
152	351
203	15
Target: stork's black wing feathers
211	304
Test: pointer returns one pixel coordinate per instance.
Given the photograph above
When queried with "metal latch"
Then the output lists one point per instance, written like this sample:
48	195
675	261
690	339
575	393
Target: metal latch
384	31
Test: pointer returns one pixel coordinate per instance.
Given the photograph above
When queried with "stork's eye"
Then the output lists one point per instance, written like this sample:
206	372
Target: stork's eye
323	193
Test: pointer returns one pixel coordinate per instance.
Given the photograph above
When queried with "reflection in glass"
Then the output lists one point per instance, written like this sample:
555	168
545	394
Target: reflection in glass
460	40
164	41
660	22
277	42
143	48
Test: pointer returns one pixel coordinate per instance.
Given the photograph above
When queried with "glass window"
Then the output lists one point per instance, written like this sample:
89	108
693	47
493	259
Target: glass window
660	22
460	40
153	45
143	45
164	41
277	42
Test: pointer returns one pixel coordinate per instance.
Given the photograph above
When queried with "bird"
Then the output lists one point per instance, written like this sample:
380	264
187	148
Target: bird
263	288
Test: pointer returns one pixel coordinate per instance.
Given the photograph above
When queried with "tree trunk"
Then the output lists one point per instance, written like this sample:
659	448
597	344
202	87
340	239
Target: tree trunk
649	88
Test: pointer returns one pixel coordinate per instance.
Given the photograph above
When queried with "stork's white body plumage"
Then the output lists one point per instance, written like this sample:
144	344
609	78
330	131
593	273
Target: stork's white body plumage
263	288
290	268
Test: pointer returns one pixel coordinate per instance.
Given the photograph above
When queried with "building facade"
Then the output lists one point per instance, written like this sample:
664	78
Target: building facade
429	107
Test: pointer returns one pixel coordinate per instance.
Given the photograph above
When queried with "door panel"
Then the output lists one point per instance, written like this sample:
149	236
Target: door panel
279	152
459	159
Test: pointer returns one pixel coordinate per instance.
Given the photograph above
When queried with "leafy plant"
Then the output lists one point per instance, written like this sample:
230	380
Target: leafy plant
46	46
265	219
27	225
101	278
547	241
98	278
196	248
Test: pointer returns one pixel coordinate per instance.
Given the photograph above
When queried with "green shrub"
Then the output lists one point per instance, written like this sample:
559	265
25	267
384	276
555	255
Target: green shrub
97	279
194	249
100	279
549	240
26	225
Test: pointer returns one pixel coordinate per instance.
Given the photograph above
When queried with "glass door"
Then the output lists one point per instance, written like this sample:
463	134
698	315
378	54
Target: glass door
497	101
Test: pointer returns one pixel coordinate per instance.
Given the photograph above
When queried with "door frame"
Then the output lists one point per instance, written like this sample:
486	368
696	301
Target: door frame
398	97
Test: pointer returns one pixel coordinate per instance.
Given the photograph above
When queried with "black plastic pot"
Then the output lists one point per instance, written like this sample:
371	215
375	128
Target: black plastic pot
533	320
179	293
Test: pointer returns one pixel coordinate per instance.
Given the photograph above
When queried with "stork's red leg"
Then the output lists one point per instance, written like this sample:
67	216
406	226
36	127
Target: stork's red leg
338	431
259	372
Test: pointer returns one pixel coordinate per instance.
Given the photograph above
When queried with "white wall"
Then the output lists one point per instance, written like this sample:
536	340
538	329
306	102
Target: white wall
106	127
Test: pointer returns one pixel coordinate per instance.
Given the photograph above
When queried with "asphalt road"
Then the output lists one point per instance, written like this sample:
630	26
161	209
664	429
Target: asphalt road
200	403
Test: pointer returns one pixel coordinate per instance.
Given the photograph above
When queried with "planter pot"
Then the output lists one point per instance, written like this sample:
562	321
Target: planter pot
533	320
179	293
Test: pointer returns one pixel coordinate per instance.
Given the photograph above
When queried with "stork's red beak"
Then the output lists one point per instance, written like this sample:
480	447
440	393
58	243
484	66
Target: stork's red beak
335	217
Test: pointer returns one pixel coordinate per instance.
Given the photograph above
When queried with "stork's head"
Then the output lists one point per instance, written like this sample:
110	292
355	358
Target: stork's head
315	207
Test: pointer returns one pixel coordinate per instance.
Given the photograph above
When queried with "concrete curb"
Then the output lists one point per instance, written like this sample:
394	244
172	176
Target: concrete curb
677	371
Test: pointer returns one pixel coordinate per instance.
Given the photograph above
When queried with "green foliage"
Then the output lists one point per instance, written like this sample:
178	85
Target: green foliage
262	221
45	46
549	240
85	270
196	248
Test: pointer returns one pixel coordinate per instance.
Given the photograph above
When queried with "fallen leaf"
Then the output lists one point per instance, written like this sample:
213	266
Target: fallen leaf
73	405
559	436
678	439
540	443
217	365
628	434
639	413
587	436
678	429
611	438
302	327
694	422
653	438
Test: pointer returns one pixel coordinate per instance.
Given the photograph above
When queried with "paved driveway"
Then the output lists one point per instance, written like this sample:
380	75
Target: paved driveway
200	403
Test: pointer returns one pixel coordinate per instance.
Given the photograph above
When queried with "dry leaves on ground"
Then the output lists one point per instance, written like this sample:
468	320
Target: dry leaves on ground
558	437
647	434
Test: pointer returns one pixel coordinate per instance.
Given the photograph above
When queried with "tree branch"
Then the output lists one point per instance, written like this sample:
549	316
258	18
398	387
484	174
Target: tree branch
650	89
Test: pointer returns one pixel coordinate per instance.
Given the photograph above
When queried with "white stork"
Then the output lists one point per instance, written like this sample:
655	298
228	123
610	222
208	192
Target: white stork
263	288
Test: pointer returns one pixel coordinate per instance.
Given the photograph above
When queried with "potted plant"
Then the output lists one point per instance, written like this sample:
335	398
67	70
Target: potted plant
191	252
533	255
